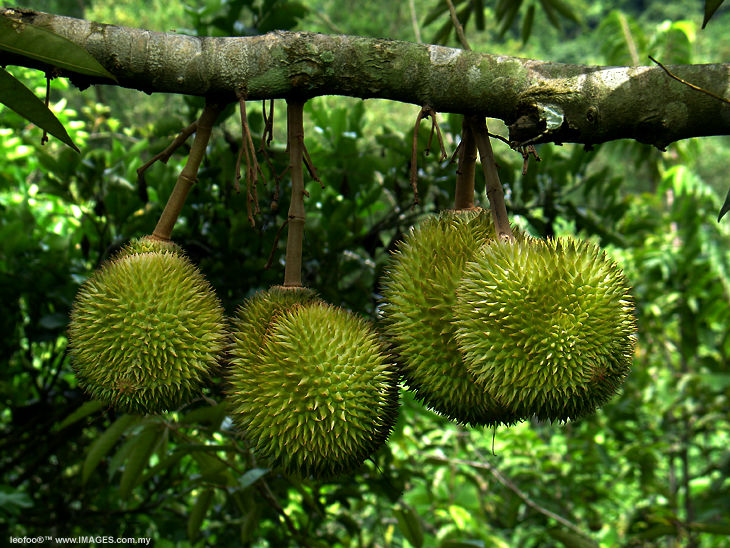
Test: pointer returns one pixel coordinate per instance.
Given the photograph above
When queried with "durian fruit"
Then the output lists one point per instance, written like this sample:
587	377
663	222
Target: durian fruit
546	327
419	292
146	332
311	386
149	244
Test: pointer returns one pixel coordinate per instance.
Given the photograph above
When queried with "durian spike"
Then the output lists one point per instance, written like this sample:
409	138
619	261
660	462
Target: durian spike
296	217
188	175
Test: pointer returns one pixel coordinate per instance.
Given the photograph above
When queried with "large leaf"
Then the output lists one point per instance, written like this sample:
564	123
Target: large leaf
104	443
570	539
251	477
410	525
17	97
47	47
198	512
84	410
139	456
710	9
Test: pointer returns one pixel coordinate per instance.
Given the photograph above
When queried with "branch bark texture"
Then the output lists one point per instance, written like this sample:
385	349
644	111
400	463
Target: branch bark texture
540	101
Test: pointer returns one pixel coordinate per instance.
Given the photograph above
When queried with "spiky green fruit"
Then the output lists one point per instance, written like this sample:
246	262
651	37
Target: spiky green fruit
149	244
145	333
257	315
547	327
419	292
313	390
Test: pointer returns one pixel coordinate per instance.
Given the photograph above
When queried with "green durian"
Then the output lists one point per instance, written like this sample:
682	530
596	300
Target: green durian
419	292
148	244
312	389
146	331
546	327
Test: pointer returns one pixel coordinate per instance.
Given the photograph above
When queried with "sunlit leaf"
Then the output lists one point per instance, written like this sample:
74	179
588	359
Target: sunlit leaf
47	47
17	97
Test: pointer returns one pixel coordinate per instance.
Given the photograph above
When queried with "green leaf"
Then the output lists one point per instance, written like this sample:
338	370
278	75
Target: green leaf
462	544
146	441
17	97
549	9
527	23
104	443
212	469
564	10
12	501
251	477
250	524
84	410
569	539
710	9
167	462
509	16
410	525
725	207
211	415
198	513
45	46
478	9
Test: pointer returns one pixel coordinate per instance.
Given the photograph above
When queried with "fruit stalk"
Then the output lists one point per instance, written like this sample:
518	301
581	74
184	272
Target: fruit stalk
464	195
296	217
188	175
495	193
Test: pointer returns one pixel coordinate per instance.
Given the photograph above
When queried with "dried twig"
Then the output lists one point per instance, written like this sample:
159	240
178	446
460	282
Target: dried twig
425	112
526	151
253	169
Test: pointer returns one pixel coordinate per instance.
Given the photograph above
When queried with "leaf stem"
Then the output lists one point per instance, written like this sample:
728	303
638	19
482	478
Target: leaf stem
188	175
495	193
296	217
464	193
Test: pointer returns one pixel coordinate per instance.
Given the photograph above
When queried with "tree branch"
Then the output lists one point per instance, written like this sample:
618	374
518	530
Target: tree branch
540	101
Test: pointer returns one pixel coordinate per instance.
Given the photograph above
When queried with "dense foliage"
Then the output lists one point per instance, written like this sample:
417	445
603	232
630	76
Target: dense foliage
651	468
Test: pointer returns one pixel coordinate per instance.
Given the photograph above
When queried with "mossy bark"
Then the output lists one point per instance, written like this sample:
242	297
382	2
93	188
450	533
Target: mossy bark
540	101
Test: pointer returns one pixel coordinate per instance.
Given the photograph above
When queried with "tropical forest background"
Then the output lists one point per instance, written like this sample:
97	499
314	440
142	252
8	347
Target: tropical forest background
651	468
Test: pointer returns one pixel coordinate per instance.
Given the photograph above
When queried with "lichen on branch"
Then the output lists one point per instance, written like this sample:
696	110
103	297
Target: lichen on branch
595	104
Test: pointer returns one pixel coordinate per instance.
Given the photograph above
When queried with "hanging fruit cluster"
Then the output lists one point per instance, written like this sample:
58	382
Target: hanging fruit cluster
485	324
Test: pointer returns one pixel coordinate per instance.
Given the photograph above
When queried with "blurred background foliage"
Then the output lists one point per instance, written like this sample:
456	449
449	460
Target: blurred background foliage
649	469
